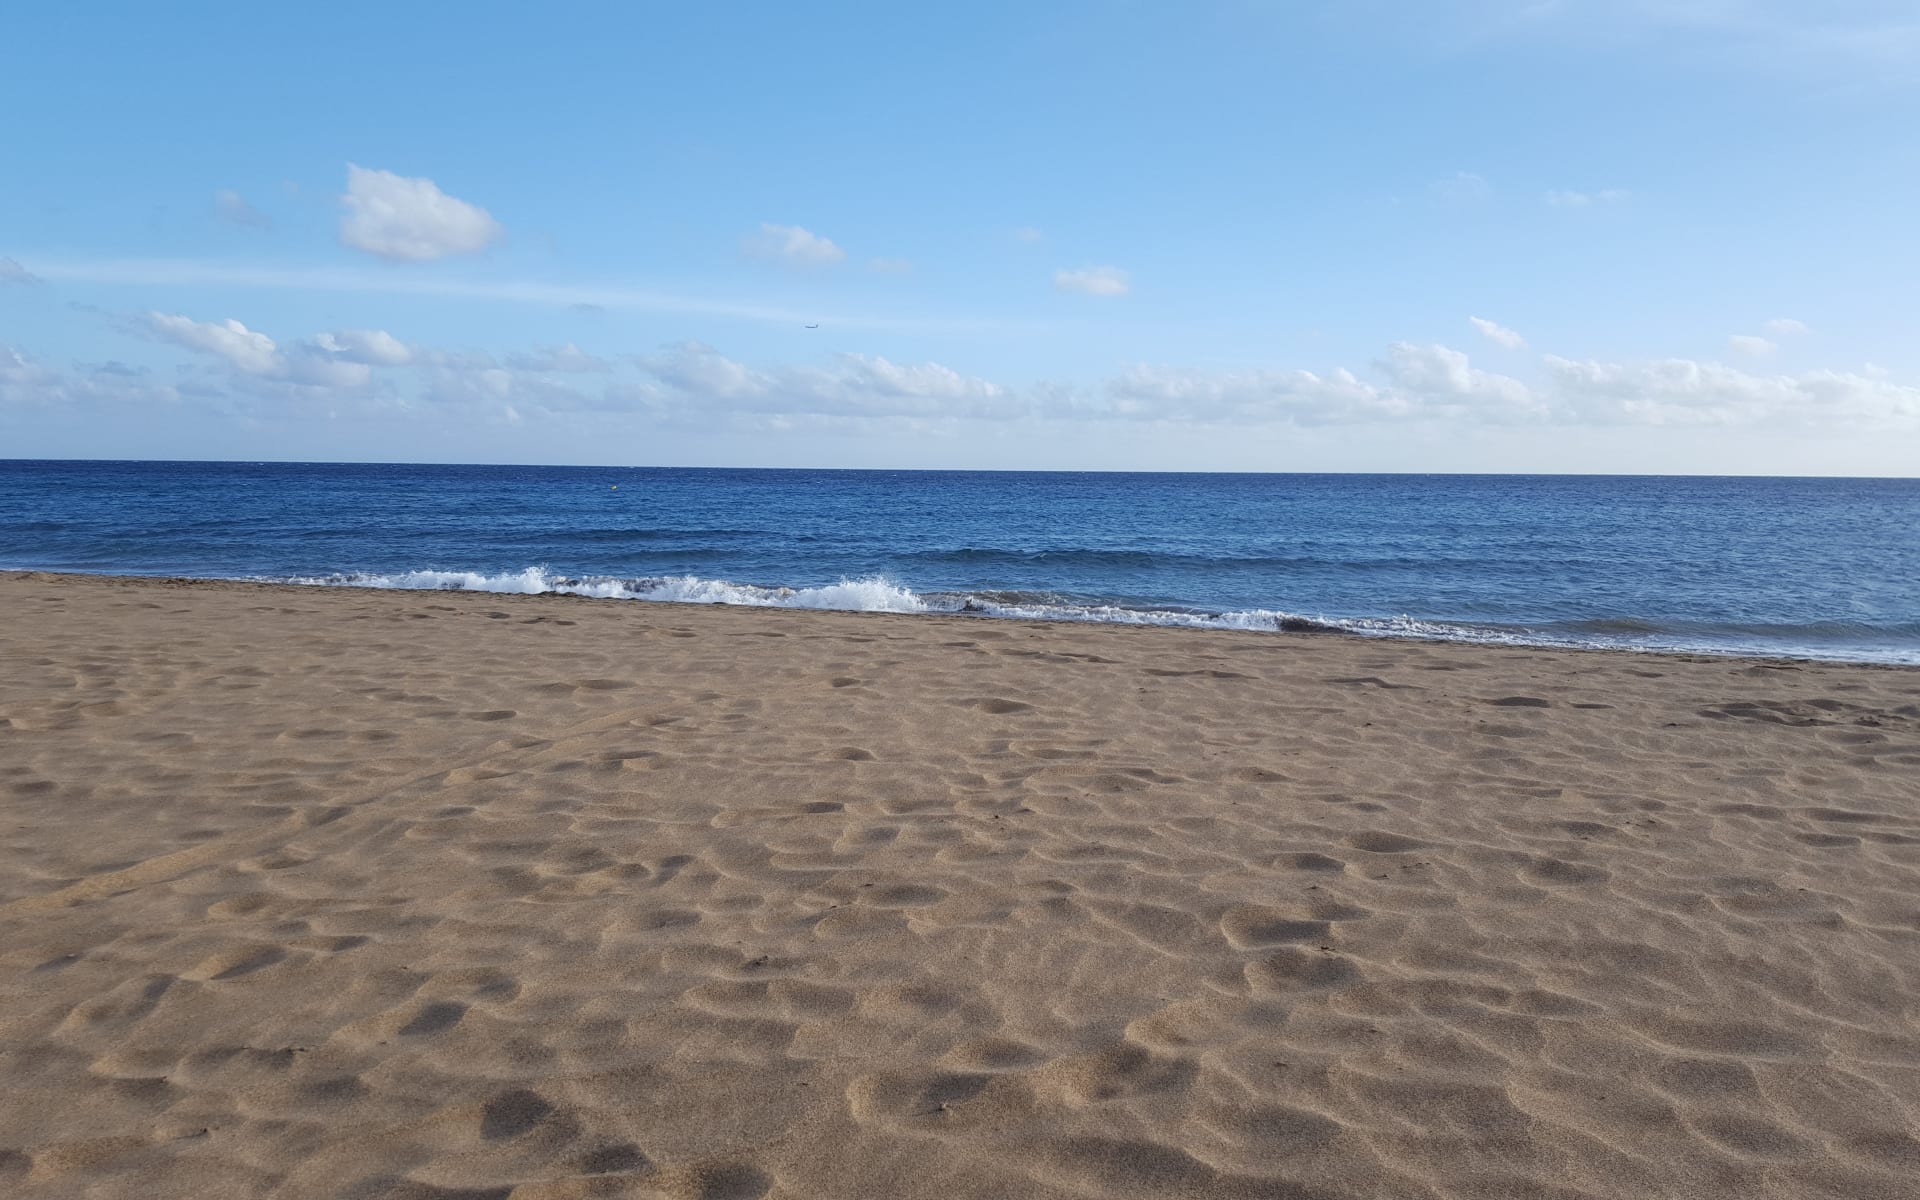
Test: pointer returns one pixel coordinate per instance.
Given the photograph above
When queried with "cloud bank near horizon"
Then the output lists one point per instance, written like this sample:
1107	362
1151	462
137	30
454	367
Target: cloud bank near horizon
230	366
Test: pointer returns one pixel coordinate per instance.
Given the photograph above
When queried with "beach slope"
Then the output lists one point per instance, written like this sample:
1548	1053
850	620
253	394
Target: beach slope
332	893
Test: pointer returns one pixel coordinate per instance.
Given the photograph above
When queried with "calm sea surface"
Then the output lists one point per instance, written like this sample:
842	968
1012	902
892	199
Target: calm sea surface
1821	567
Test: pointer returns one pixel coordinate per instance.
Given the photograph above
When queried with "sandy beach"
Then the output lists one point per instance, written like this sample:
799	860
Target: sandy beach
333	893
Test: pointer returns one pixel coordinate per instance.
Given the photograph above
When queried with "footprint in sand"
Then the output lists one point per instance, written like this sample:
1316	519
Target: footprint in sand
511	1114
1254	927
1311	861
997	705
434	1018
621	1158
848	754
233	964
1559	871
1295	969
905	895
1381	842
711	1181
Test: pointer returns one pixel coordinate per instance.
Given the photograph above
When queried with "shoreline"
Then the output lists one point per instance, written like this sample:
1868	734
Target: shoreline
323	891
1309	626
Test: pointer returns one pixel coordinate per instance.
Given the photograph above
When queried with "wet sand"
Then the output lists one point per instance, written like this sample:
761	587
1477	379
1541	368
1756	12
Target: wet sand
331	893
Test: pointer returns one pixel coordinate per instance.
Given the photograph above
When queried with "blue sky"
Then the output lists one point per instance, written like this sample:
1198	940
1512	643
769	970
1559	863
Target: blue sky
1554	236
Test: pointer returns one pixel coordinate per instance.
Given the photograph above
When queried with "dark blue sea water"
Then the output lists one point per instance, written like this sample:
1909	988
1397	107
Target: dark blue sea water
1820	567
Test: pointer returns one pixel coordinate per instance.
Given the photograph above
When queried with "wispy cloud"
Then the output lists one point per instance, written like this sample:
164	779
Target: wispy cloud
1094	281
891	266
231	208
1685	392
848	385
1787	327
1193	396
1570	199
1027	233
1878	39
13	273
585	297
568	359
1497	333
792	245
1751	346
375	347
1462	187
28	382
1873	30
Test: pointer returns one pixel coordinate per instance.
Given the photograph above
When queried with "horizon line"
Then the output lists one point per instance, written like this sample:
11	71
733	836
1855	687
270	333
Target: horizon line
292	462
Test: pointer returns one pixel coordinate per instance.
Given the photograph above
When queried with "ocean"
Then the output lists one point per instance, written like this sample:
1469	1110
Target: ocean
1822	568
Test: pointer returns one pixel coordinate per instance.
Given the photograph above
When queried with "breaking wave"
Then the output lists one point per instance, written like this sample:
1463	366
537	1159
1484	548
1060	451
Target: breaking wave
880	594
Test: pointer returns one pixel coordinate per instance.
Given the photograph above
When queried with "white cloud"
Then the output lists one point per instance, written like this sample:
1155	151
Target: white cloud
1566	199
1463	187
700	370
26	382
330	360
851	385
321	371
877	386
232	208
891	266
374	347
792	244
21	378
1751	346
12	272
1684	392
245	349
567	359
1423	383
1787	327
695	386
1094	281
1436	383
1188	395
692	384
502	391
1440	374
1498	334
1027	233
411	220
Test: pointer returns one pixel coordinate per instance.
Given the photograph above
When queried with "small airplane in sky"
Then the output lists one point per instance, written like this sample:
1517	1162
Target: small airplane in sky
814	326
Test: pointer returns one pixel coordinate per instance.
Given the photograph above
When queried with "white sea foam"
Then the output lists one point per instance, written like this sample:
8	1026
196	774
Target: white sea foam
870	594
879	594
1262	620
853	595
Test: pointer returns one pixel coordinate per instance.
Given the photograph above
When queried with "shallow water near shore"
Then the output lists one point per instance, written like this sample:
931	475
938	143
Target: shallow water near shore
1825	568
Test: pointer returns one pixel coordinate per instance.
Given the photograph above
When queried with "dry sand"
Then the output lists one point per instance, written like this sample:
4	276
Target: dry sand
316	893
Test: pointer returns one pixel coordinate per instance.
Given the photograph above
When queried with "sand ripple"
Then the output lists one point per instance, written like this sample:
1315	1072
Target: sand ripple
431	896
